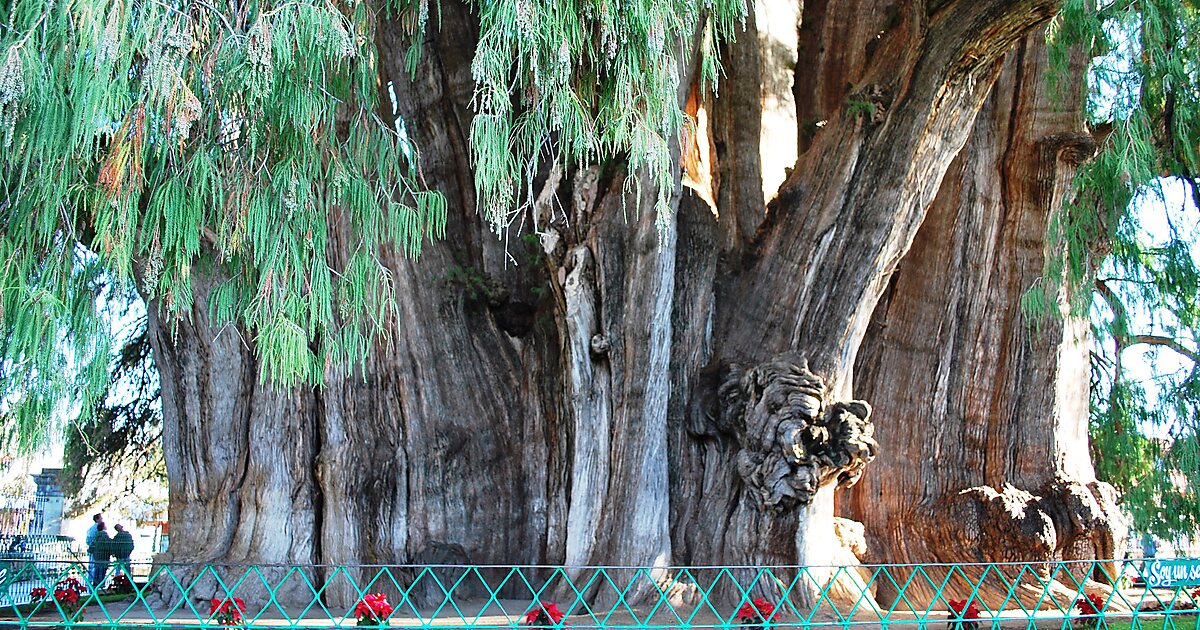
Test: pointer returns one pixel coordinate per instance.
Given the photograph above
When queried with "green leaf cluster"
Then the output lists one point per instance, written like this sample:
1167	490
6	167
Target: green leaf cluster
582	82
144	140
1131	267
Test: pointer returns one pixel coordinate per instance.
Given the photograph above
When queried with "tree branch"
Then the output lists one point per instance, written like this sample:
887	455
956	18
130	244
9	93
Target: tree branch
1120	315
1121	335
1157	340
1120	321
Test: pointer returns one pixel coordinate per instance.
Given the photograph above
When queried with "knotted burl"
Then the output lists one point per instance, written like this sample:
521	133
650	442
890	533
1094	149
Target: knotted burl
793	439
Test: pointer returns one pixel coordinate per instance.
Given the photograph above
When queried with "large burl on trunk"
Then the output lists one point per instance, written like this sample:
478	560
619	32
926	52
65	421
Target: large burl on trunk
608	393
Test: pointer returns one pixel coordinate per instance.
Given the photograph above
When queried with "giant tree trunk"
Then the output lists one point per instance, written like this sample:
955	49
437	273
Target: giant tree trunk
990	462
612	394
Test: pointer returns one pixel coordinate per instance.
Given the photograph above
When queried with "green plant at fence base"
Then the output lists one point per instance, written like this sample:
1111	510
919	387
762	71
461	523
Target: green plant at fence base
1090	607
373	610
545	615
759	613
228	612
963	614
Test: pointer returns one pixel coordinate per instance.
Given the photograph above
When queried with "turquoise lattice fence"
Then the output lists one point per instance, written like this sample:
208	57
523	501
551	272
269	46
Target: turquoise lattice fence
1153	595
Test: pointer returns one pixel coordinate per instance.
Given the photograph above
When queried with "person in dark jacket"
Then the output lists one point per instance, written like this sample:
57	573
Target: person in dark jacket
100	551
122	548
90	541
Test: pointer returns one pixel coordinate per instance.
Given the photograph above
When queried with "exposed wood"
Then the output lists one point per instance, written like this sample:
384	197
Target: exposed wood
837	231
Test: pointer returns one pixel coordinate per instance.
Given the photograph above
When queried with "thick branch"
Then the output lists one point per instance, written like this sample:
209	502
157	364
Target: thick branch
1156	340
1121	334
847	215
1122	340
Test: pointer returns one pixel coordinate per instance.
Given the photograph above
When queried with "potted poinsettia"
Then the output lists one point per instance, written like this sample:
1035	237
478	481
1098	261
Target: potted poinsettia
964	613
545	615
373	610
756	613
37	596
71	596
120	585
228	612
1091	607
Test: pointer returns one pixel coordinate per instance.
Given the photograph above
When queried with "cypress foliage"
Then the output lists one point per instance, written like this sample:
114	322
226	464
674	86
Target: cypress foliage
1141	292
144	139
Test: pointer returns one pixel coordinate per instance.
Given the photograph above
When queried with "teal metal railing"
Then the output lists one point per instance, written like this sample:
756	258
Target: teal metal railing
1149	594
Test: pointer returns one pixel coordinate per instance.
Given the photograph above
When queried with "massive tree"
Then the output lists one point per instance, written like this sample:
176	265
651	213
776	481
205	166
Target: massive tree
588	362
995	393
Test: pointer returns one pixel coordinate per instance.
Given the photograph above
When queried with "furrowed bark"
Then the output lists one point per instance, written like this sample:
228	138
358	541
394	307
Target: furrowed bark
832	238
1002	396
237	483
610	394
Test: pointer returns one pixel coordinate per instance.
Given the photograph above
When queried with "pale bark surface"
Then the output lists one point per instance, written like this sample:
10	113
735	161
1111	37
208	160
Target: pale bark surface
586	397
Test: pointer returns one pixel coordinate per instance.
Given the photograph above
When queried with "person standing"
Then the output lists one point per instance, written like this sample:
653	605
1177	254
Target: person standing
1149	546
122	548
99	553
90	541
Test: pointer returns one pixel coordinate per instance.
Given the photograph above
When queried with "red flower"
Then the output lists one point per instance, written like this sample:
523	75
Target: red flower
544	615
1091	604
964	611
758	611
38	592
68	592
66	596
373	609
71	584
227	612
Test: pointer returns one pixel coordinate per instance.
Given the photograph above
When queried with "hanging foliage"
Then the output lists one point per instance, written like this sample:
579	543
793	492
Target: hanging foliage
1130	258
144	140
148	140
585	81
117	446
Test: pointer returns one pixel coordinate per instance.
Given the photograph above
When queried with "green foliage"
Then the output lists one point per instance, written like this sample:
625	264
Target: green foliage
1126	242
584	82
144	140
1156	476
148	139
471	285
52	336
117	446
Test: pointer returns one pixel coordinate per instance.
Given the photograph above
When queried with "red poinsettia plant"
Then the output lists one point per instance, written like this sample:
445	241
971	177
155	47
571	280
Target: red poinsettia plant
121	584
545	615
964	612
756	613
70	594
1091	606
373	610
227	612
38	593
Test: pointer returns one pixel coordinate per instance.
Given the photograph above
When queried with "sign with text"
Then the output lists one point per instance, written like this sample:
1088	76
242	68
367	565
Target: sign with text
1173	573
